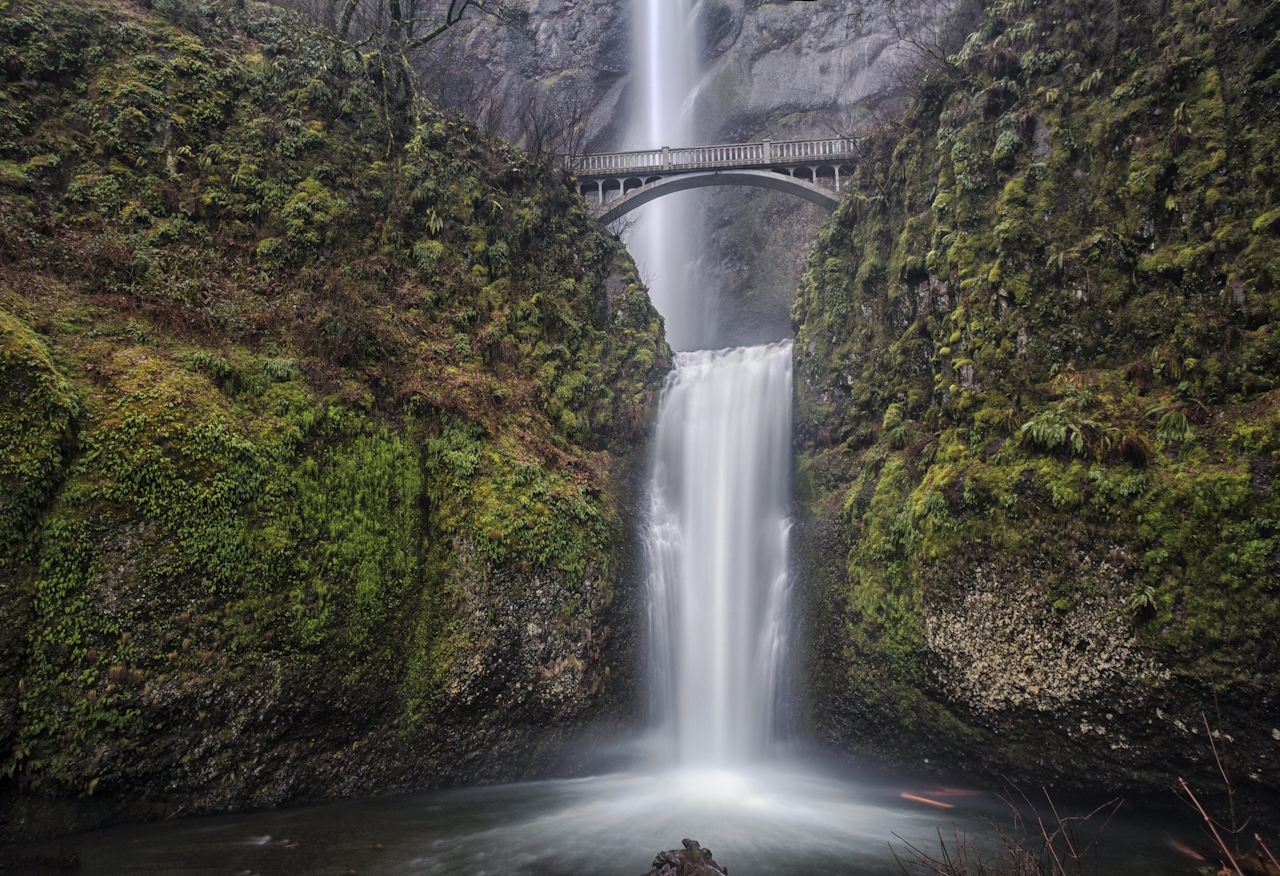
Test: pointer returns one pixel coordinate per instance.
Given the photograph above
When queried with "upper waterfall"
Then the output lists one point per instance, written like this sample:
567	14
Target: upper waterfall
666	74
717	550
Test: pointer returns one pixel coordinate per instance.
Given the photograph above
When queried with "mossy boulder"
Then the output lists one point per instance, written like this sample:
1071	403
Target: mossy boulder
317	414
1039	410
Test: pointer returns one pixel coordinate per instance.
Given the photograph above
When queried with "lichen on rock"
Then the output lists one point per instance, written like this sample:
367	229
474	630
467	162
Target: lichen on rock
1001	645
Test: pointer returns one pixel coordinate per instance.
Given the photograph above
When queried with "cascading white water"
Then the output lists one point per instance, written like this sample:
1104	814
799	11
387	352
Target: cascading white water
666	76
717	553
717	537
716	548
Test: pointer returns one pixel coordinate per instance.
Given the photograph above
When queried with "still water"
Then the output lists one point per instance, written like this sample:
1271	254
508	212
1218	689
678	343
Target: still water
758	822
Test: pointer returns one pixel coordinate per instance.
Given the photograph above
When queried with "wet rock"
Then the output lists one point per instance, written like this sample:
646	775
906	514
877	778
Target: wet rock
998	645
692	860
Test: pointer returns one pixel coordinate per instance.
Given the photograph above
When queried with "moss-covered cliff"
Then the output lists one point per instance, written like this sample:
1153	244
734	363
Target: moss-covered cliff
1037	368
316	412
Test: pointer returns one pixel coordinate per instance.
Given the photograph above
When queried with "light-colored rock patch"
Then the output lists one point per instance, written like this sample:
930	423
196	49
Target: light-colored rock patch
1001	645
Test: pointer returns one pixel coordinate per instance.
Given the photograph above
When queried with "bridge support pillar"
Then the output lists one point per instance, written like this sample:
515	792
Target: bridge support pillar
836	170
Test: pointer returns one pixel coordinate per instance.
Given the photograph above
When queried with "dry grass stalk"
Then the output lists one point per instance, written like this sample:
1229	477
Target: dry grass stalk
1213	827
1040	848
1254	861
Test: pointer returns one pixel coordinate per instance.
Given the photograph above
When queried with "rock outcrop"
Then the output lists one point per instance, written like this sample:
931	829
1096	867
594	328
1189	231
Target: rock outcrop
1039	407
692	860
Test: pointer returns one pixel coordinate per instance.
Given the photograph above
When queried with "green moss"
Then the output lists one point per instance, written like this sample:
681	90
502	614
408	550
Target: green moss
337	368
1070	360
38	410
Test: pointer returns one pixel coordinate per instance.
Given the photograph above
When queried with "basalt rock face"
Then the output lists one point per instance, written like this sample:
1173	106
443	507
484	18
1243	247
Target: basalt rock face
780	70
558	64
318	417
1038	411
791	71
768	68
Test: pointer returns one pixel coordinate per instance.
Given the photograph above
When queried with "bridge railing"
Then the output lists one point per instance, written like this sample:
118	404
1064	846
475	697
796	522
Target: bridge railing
709	156
667	160
798	150
617	162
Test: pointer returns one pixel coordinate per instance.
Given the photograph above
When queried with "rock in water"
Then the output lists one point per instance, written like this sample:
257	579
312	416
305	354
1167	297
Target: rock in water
692	860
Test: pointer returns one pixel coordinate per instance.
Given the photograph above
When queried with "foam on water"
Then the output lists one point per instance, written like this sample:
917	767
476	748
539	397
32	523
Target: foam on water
774	820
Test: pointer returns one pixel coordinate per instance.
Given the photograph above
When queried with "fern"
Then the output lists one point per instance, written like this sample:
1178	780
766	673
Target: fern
280	369
898	430
1143	601
1174	426
1050	431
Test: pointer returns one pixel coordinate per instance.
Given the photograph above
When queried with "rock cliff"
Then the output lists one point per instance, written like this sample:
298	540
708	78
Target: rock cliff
1038	411
317	414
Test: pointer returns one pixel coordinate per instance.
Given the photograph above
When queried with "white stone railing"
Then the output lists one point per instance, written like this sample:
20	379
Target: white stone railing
617	162
763	154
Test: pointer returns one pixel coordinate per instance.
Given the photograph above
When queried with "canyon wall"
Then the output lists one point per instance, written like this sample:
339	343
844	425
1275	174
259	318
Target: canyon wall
319	413
1037	370
781	70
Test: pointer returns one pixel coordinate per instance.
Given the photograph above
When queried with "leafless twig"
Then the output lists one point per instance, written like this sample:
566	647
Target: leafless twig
1212	827
1263	846
1036	847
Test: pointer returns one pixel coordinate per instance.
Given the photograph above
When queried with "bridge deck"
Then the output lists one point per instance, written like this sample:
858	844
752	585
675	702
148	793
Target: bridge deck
731	156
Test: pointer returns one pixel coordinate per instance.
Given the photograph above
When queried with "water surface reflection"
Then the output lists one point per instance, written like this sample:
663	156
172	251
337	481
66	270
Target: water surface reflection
780	822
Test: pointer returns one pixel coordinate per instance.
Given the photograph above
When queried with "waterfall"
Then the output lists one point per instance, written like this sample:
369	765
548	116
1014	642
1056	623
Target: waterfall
716	547
666	76
716	541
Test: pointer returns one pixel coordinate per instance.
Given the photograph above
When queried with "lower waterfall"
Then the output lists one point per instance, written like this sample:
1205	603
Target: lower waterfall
716	547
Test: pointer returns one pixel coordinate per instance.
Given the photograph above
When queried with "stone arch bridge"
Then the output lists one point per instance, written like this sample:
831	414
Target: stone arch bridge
615	183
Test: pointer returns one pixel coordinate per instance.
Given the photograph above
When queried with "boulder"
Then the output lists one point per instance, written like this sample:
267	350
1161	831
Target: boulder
692	860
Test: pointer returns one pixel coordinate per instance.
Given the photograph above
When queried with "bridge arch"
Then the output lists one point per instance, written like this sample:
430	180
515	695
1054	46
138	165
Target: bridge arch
653	189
